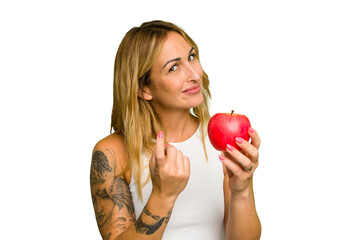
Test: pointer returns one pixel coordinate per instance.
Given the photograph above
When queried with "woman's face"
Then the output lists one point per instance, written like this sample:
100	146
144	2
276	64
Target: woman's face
103	204
176	76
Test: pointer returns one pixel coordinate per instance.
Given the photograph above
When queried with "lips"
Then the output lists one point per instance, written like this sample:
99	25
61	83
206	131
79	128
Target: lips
193	89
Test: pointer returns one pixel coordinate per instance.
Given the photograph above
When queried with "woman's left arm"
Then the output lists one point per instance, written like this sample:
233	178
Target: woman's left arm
242	221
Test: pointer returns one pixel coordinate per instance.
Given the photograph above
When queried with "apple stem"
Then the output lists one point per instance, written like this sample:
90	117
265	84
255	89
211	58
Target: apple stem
232	111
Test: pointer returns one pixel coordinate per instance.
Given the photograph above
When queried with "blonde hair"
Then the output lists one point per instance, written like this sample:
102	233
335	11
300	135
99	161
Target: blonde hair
132	116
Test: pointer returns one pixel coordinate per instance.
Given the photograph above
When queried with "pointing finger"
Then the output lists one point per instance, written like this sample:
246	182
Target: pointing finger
159	149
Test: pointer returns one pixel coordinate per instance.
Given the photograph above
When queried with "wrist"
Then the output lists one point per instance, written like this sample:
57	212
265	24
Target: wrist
243	195
162	200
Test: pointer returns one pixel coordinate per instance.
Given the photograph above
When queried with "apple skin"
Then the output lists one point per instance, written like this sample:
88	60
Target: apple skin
223	128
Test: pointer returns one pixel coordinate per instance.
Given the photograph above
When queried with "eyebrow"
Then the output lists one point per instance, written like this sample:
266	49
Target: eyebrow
176	59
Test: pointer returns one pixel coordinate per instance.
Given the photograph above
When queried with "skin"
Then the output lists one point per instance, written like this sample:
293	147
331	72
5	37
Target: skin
100	170
241	219
180	71
103	211
112	214
175	70
168	83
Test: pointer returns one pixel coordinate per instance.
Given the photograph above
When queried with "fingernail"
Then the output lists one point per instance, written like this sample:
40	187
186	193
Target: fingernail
221	157
239	140
229	147
251	130
161	134
166	145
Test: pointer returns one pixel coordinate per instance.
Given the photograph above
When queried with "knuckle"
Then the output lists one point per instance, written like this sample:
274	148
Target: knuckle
187	161
179	153
169	147
157	154
255	154
169	150
247	166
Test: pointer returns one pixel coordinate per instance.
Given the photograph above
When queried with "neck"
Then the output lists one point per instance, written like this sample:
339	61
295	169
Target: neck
179	126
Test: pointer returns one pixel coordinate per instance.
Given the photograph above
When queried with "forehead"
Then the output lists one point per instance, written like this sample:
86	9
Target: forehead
174	46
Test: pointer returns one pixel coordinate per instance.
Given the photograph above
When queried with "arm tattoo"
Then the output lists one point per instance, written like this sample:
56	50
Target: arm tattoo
120	194
149	229
115	194
147	212
167	218
99	166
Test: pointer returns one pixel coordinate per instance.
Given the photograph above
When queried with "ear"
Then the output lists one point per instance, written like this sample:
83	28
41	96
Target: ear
145	93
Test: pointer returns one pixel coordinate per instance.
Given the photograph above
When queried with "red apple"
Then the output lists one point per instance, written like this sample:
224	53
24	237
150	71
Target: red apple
223	128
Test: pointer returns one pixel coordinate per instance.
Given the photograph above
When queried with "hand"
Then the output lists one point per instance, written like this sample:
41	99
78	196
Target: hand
240	166
169	169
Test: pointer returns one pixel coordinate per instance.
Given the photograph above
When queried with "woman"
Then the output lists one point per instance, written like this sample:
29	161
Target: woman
141	183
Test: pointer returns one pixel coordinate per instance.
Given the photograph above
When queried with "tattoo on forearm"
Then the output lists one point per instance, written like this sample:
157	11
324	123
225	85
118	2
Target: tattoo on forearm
149	229
167	218
144	228
147	212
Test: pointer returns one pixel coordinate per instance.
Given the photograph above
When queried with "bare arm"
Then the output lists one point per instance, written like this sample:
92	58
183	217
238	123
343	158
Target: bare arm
241	219
112	200
152	222
110	193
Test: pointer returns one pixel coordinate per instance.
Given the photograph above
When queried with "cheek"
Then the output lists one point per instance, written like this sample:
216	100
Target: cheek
171	86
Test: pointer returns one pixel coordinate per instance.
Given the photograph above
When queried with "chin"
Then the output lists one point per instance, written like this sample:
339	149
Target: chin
197	102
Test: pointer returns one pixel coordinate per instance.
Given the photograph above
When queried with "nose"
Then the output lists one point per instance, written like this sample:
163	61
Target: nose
99	210
194	72
97	206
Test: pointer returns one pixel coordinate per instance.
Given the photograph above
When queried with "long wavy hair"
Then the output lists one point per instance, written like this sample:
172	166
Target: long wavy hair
132	116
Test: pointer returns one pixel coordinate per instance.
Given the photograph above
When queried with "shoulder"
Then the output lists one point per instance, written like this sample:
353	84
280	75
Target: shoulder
113	141
111	150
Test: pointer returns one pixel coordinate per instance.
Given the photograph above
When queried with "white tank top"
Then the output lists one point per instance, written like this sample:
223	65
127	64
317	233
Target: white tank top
198	213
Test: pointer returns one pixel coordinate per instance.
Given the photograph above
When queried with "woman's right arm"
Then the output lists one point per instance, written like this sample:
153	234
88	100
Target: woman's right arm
112	200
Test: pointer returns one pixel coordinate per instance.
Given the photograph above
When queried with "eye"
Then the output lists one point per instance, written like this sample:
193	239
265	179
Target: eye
103	194
173	68
191	57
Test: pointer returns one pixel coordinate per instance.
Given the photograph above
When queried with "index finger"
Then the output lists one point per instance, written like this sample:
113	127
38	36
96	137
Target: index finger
159	148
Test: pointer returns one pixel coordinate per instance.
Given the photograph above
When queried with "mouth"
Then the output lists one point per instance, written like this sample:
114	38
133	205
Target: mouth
192	90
